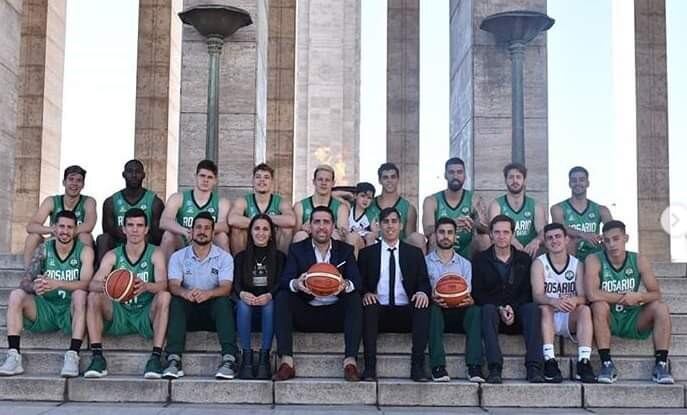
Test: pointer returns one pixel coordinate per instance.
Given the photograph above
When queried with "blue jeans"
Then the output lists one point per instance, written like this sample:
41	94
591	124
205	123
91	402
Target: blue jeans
244	323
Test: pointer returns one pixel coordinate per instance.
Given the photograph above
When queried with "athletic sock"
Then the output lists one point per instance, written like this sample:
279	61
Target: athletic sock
584	352
661	356
75	345
97	349
13	343
548	351
605	355
157	352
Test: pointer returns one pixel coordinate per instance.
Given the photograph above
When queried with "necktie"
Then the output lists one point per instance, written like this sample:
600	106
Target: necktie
392	276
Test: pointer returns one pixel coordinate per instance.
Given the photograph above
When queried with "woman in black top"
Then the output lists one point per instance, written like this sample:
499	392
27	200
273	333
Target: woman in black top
256	281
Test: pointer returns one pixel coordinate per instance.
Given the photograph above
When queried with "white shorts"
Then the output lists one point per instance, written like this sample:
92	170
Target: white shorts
561	325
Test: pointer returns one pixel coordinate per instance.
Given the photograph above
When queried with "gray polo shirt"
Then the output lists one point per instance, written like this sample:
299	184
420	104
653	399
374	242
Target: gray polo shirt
457	265
204	274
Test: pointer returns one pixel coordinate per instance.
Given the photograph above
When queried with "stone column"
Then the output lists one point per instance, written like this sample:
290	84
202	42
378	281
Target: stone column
39	117
242	101
480	108
403	93
653	193
158	93
327	113
280	93
10	35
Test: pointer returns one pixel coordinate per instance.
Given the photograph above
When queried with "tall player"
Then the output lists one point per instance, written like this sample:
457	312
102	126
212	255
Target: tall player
182	207
134	195
83	206
261	200
581	216
558	289
612	282
52	295
147	313
457	203
529	216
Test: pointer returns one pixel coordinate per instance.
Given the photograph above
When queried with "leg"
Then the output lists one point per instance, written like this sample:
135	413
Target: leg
580	323
244	318
284	326
437	355
473	340
547	330
529	317
418	240
20	304
601	316
420	321
284	236
179	312
490	333
267	319
159	315
300	236
222	240
223	315
87	239
30	244
371	330
656	315
79	314
353	317
103	243
99	308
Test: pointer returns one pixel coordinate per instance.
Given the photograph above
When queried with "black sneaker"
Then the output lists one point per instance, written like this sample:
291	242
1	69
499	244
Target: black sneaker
534	374
494	374
439	374
585	372
552	373
475	374
417	370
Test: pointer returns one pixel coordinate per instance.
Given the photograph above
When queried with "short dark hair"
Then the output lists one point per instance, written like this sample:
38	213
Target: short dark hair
364	187
386	212
502	218
204	215
553	226
207	165
134	161
578	169
263	167
454	160
69	214
75	169
136	213
387	166
614	224
515	166
322	209
445	220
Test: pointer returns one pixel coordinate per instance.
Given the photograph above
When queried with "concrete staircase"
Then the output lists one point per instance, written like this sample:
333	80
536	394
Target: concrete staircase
318	366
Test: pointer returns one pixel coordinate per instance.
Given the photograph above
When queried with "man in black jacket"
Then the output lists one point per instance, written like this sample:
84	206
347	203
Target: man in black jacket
395	288
501	286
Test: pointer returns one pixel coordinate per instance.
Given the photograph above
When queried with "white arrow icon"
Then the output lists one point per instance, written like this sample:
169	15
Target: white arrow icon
674	220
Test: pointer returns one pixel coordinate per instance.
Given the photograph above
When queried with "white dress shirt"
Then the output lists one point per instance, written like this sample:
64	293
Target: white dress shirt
400	296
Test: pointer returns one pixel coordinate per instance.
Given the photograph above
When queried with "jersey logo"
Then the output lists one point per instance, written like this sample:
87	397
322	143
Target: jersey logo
73	262
629	272
528	214
592	215
189	209
51	262
211	210
465	211
569	275
571	218
214	271
144	206
144	264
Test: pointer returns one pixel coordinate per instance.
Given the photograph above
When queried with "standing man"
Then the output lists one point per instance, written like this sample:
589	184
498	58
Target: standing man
261	200
297	307
134	195
581	216
528	215
83	206
465	318
501	286
396	290
558	289
459	204
613	279
182	208
200	278
146	314
52	295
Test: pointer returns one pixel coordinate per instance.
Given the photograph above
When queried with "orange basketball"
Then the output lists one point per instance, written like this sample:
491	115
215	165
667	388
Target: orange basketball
323	279
119	285
452	288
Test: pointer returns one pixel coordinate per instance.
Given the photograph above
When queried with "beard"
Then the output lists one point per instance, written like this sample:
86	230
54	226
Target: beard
445	244
455	185
202	242
515	191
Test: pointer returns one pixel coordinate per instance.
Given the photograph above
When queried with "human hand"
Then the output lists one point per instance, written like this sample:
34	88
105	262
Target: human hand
507	315
370	298
420	299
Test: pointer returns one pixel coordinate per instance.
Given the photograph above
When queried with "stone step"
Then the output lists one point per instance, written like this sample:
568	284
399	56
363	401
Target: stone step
32	388
204	390
10	278
633	348
640	368
523	394
11	262
117	389
3	317
679	323
405	392
673	285
670	269
324	391
634	395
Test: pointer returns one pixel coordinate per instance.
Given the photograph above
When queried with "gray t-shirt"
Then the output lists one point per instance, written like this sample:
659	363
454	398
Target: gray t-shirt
204	274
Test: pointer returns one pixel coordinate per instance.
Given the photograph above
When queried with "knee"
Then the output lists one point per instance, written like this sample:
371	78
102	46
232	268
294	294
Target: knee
584	312
167	238
418	240
16	298
600	309
94	300
489	311
79	298
546	310
164	298
660	309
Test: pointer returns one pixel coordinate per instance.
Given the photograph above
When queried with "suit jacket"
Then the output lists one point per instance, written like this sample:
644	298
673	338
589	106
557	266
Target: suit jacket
302	256
489	288
413	268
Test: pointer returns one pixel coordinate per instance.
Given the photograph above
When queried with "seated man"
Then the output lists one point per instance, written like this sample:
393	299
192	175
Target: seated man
84	207
501	286
465	318
557	286
363	230
612	282
52	295
146	314
296	307
200	277
395	290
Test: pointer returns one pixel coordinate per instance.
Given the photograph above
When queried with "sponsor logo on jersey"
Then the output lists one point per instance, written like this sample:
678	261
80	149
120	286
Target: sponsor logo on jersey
144	206
571	218
629	271
592	215
211	210
569	275
465	210
189	209
528	214
73	262
51	262
144	264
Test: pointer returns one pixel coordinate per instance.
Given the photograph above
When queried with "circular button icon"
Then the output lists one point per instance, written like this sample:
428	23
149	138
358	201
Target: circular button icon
674	220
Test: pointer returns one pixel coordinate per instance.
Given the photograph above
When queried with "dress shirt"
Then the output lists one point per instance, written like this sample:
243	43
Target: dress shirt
401	298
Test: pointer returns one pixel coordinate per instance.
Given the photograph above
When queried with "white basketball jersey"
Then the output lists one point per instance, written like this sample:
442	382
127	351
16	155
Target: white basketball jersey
559	284
360	225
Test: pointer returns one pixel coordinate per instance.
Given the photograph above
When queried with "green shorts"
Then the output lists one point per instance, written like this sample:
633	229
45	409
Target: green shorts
129	321
50	316
624	324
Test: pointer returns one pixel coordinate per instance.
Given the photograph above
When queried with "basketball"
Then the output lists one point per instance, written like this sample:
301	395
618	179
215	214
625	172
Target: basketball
323	279
119	285
452	288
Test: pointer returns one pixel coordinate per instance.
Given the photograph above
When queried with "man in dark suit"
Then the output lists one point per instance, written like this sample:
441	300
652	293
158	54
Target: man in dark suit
395	288
297	306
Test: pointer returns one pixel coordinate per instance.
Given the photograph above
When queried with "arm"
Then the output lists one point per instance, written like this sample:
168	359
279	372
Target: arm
592	283
287	219
342	219
224	207
541	217
160	267
175	277
34	270
363	258
91	217
290	271
423	283
168	220
236	218
605	214
411	226
477	283
580	298
653	291
537	282
479	207
351	271
36	222
155	231
429	205
97	282
109	225
298	212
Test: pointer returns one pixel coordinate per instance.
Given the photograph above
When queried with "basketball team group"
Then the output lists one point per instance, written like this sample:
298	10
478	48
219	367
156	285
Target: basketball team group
348	262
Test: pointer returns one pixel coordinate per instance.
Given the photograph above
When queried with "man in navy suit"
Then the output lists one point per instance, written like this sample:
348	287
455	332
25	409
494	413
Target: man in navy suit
297	306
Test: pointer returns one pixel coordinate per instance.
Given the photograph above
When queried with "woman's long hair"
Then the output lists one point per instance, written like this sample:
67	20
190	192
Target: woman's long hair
270	259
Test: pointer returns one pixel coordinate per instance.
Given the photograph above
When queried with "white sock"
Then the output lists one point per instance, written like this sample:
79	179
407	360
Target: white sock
548	352
584	352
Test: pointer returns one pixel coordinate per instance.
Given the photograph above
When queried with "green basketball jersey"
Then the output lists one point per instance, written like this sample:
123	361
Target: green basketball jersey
252	208
120	205
588	220
308	206
56	268
525	231
189	208
625	279
58	206
143	269
463	208
401	205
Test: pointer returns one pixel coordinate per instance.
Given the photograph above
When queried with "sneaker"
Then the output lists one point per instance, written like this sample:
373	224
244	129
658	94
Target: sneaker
534	374
475	374
173	369
97	368
227	369
439	374
585	372
552	373
494	374
12	365
70	369
662	374
607	373
153	368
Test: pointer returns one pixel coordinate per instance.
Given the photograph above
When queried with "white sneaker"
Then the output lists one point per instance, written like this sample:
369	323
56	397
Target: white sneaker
12	365
71	365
